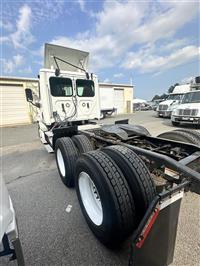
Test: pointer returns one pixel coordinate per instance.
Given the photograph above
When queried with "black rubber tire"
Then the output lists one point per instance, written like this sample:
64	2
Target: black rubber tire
179	136
193	133
137	176
102	115
119	218
70	155
176	124
82	143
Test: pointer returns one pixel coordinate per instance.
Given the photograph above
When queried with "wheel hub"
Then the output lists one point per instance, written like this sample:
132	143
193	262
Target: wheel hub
90	198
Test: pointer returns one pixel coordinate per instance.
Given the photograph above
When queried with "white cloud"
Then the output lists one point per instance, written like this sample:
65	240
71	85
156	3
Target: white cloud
9	66
42	10
23	37
187	80
173	44
18	59
4	39
120	26
147	61
106	80
27	70
6	25
118	75
81	5
165	24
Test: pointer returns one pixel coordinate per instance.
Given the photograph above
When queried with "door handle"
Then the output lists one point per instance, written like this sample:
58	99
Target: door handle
88	106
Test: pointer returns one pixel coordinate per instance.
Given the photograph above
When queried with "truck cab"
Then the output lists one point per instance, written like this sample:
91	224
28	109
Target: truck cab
68	93
173	100
189	111
69	96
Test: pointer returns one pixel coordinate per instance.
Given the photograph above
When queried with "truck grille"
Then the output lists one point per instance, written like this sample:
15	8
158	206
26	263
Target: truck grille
188	112
163	107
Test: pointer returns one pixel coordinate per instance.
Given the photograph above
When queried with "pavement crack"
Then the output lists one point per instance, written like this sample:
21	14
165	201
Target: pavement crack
22	176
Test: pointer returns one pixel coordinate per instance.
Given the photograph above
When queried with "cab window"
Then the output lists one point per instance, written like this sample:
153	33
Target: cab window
60	87
85	88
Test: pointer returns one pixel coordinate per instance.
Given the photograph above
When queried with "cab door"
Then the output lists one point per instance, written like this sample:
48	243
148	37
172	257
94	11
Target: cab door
61	89
86	99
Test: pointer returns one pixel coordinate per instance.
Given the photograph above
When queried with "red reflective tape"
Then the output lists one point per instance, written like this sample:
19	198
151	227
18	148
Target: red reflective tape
148	228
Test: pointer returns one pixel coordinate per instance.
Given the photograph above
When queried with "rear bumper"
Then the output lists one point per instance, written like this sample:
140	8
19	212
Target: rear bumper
185	119
165	113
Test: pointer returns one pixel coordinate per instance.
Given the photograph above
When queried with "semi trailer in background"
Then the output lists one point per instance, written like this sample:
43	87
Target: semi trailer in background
128	183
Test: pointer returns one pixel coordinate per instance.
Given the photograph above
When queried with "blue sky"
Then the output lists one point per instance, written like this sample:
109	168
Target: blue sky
153	43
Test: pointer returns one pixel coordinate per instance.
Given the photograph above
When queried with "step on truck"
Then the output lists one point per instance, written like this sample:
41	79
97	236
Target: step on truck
129	184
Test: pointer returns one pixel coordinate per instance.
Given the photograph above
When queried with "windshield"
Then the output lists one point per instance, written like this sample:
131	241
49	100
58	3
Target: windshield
60	87
192	97
85	88
175	97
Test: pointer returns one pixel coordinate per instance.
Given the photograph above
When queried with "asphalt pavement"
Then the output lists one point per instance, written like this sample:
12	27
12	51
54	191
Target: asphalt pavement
52	236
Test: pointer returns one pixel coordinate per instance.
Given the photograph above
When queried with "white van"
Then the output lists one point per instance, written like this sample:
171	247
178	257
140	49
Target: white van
189	110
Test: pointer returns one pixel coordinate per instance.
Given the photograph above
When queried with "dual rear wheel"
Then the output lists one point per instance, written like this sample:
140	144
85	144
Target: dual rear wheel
113	186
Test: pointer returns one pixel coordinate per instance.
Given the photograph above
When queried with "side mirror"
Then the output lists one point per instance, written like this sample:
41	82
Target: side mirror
29	95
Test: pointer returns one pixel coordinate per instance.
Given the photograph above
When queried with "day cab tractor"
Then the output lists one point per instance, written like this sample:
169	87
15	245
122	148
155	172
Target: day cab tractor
129	184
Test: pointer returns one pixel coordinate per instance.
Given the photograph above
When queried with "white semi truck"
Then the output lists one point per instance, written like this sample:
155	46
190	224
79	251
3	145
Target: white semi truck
114	168
188	112
175	98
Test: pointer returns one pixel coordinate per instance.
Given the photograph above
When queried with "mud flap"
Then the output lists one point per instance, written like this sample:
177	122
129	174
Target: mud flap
156	242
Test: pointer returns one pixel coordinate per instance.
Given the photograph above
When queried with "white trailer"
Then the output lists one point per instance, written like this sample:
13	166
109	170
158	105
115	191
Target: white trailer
114	167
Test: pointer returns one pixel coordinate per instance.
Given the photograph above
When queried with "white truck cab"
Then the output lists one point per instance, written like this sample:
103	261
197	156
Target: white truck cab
189	111
173	100
68	94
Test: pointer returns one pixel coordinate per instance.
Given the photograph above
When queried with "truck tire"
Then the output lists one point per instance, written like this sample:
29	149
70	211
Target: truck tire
137	176
82	143
66	156
102	115
179	136
176	124
195	134
105	198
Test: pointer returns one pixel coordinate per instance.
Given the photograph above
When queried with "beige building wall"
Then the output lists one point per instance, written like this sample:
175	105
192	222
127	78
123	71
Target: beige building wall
128	99
21	84
128	95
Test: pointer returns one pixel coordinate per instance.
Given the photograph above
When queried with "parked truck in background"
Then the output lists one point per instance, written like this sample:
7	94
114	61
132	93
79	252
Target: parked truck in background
166	107
188	112
114	167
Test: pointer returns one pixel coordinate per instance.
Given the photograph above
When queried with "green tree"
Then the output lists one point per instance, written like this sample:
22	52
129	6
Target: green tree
171	88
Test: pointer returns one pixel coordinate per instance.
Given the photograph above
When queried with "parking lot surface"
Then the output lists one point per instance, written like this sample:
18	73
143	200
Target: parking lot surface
52	236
